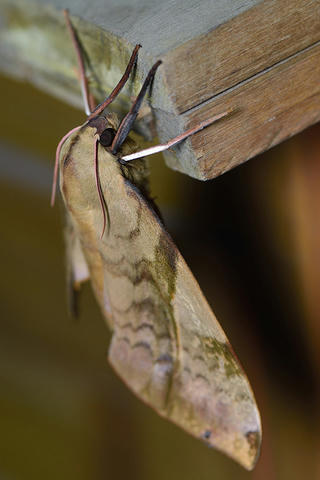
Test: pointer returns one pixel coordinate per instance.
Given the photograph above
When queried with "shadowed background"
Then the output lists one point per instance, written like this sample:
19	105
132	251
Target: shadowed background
251	237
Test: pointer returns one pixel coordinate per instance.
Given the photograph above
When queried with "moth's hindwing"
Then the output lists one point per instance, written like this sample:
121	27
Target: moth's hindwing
77	268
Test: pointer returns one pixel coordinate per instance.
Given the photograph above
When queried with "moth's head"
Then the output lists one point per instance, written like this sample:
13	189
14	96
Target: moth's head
106	126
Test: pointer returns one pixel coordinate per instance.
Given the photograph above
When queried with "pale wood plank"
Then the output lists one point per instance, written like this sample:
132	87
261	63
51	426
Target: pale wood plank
269	108
215	54
238	49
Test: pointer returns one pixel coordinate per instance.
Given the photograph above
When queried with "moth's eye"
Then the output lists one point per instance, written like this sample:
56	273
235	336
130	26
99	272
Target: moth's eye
107	136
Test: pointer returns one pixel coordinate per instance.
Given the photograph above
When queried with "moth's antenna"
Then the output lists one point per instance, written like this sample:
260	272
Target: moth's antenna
103	203
119	86
127	121
83	79
175	140
56	164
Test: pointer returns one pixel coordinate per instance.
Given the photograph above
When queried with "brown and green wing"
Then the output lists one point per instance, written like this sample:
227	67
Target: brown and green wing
167	345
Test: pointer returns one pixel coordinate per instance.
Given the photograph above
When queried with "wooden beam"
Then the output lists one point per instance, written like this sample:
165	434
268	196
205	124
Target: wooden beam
261	58
270	107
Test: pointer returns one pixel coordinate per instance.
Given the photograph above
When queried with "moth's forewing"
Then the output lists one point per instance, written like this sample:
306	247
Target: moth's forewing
167	345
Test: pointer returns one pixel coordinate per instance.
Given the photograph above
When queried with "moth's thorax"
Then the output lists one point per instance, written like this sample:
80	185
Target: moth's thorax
78	179
77	162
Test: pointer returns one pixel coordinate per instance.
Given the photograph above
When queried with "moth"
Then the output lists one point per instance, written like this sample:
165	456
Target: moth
167	345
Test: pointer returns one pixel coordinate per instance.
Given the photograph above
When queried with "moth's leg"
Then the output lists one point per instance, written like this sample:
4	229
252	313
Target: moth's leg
88	100
89	104
120	84
127	121
175	140
56	163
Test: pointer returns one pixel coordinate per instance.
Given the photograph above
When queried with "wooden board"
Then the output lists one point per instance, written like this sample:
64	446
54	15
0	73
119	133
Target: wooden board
259	57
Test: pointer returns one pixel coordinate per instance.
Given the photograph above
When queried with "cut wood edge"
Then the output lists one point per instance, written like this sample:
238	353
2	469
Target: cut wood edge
268	108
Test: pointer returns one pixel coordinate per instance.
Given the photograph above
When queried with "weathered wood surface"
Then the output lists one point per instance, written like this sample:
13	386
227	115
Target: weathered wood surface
261	58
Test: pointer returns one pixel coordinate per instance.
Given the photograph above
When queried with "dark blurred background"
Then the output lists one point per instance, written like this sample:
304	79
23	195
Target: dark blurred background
252	239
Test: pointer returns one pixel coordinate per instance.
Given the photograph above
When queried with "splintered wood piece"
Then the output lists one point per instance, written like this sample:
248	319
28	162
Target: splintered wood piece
259	58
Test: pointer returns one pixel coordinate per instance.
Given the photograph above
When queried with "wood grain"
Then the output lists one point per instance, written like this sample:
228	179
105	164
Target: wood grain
269	108
249	43
212	52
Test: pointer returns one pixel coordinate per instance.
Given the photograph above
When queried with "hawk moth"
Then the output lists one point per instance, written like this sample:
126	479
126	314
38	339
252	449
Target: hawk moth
167	346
